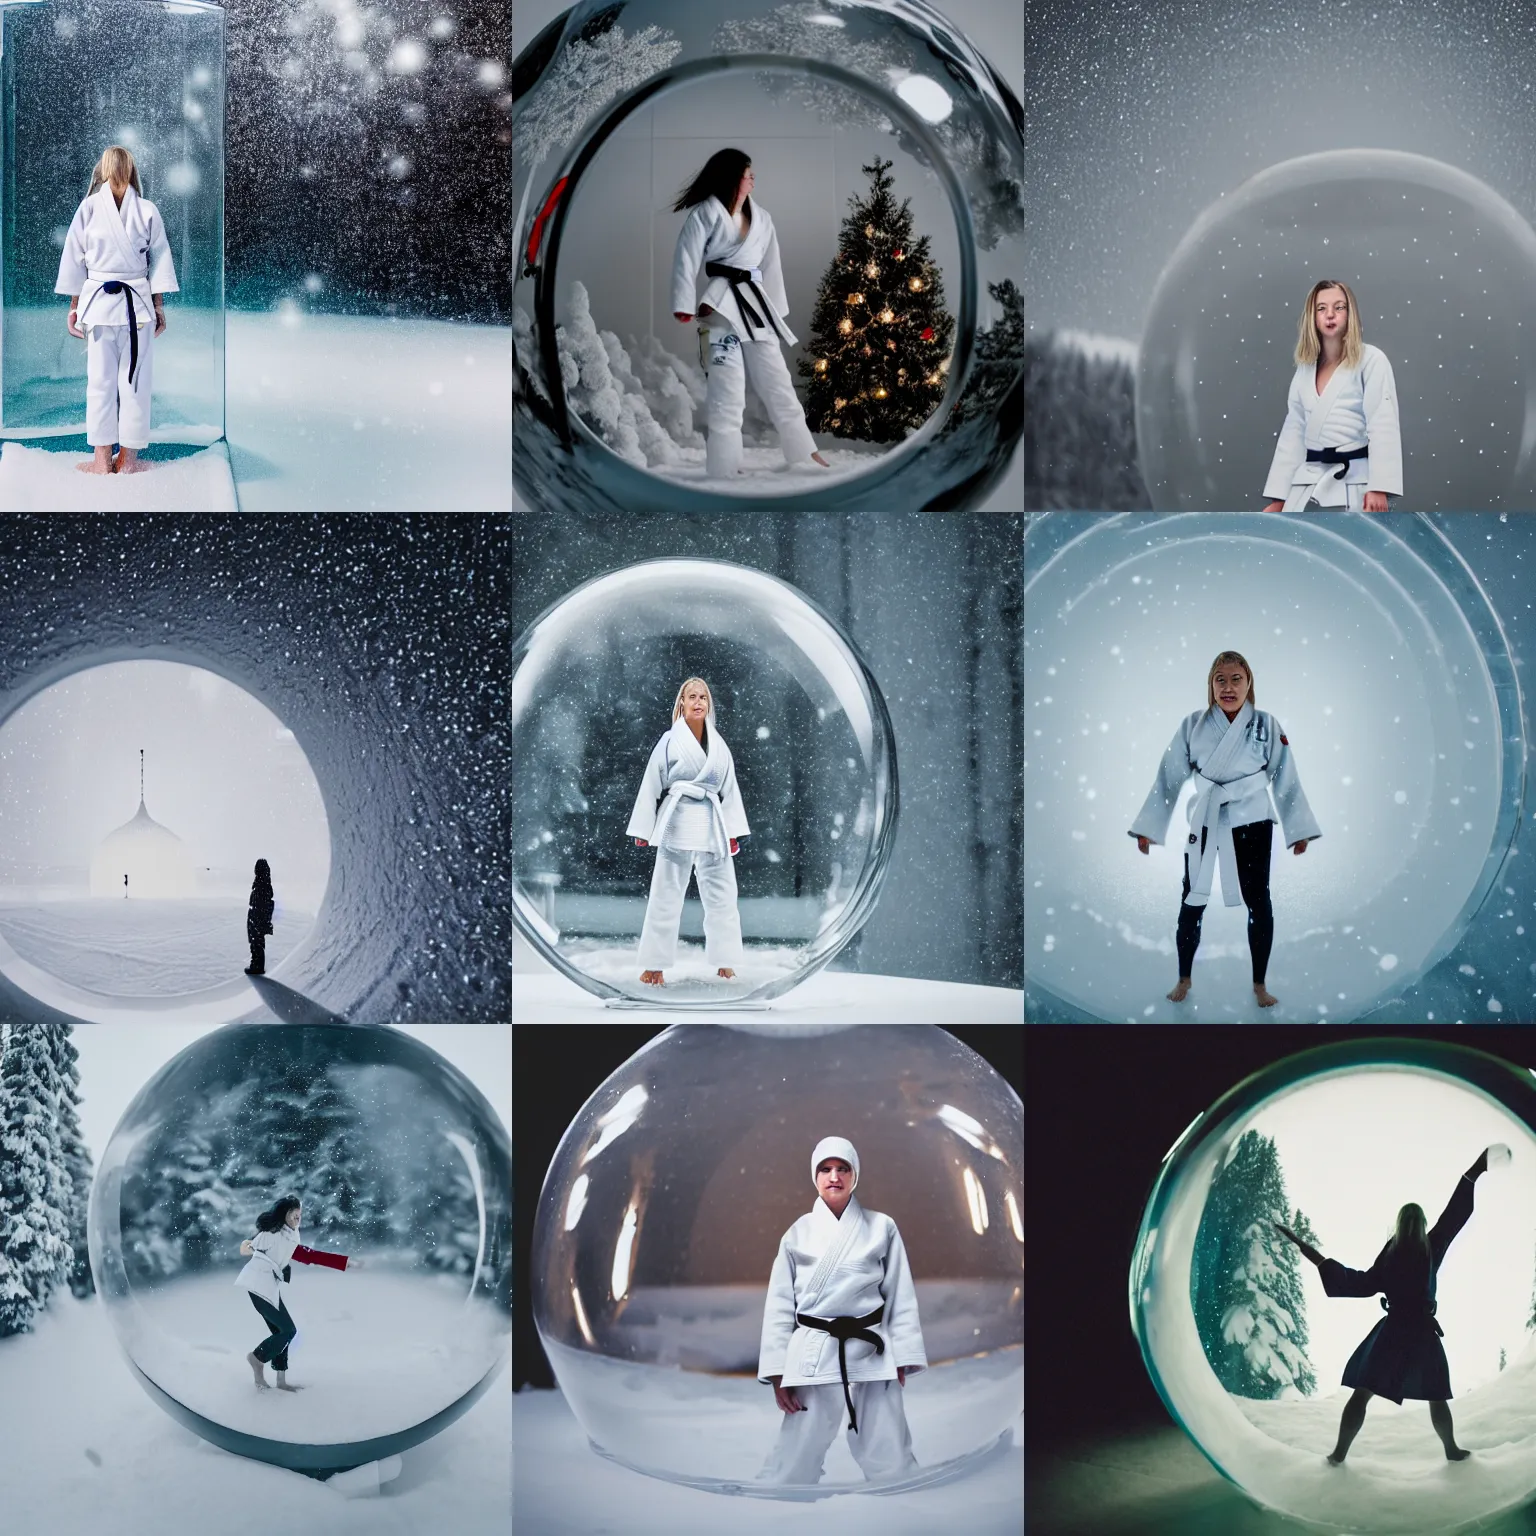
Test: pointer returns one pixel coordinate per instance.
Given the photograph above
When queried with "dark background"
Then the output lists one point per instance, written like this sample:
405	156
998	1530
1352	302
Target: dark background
935	605
555	1070
1106	1104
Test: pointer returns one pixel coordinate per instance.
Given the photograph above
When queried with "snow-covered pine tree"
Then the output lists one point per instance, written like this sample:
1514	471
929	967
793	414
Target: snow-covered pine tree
76	1158
1503	1358
1248	1312
881	335
34	1186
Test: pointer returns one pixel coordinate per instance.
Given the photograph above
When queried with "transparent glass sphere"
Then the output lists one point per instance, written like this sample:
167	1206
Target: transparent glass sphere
1363	634
594	680
897	67
1442	269
399	1161
662	1212
1351	1131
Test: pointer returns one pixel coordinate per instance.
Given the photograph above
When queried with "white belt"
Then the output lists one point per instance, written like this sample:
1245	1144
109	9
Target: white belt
1213	797
687	789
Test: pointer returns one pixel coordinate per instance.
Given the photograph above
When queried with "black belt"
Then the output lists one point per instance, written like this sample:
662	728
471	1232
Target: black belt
740	279
133	329
842	1329
1339	456
1414	1313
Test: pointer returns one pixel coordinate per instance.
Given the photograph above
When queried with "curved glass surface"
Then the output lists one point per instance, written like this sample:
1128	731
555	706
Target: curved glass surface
1349	1132
399	1161
662	1211
1387	666
593	684
896	67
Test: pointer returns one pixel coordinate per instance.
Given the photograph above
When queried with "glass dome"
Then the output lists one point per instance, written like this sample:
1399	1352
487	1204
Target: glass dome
1442	269
398	1159
897	67
663	1208
594	679
1364	633
1349	1131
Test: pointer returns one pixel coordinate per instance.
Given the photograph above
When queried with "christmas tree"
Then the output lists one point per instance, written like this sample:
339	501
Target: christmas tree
881	341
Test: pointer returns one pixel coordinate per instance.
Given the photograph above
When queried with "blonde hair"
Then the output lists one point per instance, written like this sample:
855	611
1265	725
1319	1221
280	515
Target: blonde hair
677	706
1308	347
1210	677
1412	1230
117	167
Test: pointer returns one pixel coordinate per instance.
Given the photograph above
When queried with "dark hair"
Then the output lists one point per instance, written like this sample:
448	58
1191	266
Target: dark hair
270	1221
720	178
263	874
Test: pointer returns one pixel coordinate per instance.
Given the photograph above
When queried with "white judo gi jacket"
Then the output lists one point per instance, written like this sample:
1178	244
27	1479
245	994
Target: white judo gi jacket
840	1267
681	774
1358	407
1235	764
105	244
709	233
271	1253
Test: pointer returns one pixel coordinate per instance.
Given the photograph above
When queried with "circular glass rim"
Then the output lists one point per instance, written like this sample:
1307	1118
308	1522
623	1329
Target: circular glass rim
568	426
882	840
1511	1087
1051	534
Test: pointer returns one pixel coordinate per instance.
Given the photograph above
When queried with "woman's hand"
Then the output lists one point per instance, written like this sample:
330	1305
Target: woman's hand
245	1249
1144	844
785	1397
354	1263
901	1374
1308	1251
677	314
704	311
640	842
1301	847
74	324
1375	501
1274	506
160	326
735	846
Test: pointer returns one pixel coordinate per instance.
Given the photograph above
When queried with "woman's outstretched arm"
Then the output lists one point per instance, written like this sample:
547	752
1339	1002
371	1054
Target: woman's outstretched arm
1307	1250
303	1255
1458	1210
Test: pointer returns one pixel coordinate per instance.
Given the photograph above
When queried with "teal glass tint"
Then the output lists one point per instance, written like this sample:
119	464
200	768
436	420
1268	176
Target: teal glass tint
149	75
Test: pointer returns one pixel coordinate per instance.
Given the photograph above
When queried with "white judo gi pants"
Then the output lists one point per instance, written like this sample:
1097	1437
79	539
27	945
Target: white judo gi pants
664	910
1302	494
731	360
882	1447
115	410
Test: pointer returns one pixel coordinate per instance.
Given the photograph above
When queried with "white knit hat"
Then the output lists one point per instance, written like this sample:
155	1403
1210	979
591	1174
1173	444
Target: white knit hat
835	1146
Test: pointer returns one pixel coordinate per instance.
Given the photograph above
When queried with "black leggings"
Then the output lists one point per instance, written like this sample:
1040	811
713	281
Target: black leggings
1251	844
258	940
273	1350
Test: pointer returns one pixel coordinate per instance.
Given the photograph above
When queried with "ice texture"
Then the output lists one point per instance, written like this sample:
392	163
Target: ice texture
381	643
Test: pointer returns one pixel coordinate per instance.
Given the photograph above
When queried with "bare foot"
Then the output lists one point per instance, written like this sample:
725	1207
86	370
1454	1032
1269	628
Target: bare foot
725	971
1334	1459
1457	1455
100	465
1181	991
259	1371
651	978
283	1384
821	461
127	462
1265	999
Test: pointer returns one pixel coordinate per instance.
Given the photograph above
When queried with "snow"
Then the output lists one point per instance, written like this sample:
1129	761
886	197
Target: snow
86	1453
143	948
1098	347
562	1488
46	480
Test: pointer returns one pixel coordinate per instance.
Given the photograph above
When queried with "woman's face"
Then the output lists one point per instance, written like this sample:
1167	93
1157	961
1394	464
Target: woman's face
695	703
834	1182
1231	685
748	181
292	1217
1330	309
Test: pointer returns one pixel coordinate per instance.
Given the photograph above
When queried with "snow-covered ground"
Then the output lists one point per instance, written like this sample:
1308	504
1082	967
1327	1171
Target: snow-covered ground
86	1453
143	948
46	480
766	472
563	1488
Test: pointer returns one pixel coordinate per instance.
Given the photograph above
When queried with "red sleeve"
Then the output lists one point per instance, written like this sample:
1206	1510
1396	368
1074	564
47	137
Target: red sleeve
303	1255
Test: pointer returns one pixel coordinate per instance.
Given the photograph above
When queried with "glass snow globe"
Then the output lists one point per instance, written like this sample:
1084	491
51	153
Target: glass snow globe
1442	269
74	78
893	73
663	1208
1246	1349
398	1160
594	683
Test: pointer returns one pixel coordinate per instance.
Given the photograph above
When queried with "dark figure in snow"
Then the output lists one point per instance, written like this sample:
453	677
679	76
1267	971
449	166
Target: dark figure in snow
125	887
273	1252
258	920
1402	1355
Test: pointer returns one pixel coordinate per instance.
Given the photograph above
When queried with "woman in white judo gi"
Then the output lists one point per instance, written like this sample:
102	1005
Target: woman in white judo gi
1236	752
733	239
272	1251
116	267
840	1331
1340	445
689	808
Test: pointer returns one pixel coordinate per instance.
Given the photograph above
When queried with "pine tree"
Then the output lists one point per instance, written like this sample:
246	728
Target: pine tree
76	1159
880	332
1503	1358
34	1184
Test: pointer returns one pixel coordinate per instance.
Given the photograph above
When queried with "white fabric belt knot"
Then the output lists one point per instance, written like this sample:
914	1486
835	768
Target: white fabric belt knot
690	789
1209	811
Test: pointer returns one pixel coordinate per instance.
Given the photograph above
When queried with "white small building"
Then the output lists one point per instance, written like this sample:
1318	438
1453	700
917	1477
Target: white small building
154	860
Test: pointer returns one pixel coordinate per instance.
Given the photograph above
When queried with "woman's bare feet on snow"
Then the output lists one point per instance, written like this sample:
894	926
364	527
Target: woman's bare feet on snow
726	971
258	1371
127	462
818	458
1265	999
283	1384
1181	991
101	464
651	978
